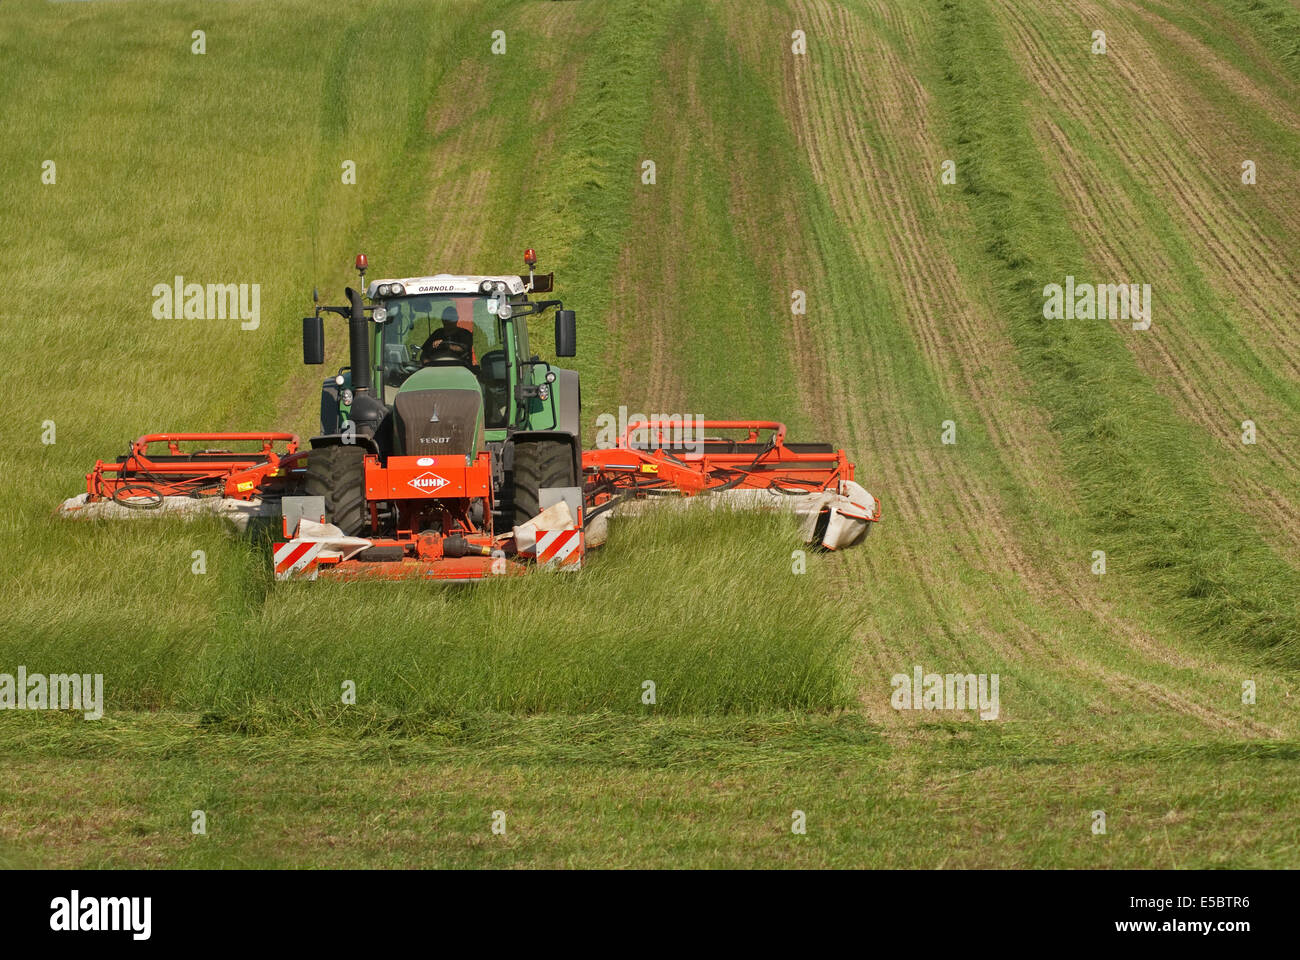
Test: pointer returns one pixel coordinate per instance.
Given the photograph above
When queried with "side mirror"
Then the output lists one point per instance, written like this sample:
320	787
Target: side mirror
313	340
566	333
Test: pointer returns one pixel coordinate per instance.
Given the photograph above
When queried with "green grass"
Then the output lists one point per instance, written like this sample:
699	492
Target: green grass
642	610
1277	25
608	791
1140	470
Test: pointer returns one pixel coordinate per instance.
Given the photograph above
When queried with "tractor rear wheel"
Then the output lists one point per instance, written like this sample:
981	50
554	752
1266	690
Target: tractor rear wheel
538	464
338	474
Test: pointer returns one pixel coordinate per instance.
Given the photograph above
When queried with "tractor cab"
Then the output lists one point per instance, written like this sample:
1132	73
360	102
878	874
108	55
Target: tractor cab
444	329
473	322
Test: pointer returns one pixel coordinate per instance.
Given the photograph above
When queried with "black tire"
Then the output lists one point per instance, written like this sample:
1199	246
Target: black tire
338	474
538	464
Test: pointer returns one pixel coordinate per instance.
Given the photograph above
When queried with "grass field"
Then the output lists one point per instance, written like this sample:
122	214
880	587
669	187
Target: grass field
775	171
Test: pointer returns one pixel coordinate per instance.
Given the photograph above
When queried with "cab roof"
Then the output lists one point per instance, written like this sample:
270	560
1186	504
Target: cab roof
449	283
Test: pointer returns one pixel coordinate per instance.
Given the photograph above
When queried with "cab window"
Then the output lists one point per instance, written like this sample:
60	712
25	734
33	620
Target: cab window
430	329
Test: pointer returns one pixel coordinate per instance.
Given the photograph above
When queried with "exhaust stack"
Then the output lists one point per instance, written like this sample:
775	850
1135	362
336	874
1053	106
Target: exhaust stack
359	344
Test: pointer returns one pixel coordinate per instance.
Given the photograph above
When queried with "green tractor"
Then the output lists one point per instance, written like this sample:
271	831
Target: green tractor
444	424
448	450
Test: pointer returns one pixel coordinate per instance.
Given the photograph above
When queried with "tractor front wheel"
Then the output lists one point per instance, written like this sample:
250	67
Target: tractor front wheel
538	464
338	474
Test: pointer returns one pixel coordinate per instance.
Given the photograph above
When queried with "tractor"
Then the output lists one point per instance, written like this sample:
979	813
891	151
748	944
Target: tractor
448	450
444	427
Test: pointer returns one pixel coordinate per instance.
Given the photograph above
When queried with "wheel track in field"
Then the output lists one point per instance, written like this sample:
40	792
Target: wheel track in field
908	245
1129	634
1214	217
927	490
1198	393
456	190
1277	514
1230	234
1226	73
466	129
1215	424
1163	697
1042	66
937	311
1251	45
1083	189
648	371
909	258
808	95
938	289
1194	392
827	398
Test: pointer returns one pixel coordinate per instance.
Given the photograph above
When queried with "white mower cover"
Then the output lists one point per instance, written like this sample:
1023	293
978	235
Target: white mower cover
552	538
313	542
238	512
851	511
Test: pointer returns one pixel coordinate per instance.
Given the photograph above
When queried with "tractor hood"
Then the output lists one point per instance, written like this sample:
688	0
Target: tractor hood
439	411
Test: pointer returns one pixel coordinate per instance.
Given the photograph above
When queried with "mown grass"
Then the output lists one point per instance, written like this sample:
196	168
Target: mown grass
1277	25
1141	471
935	588
612	791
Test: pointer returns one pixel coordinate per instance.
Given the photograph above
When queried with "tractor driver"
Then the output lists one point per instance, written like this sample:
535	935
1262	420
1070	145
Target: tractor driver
449	342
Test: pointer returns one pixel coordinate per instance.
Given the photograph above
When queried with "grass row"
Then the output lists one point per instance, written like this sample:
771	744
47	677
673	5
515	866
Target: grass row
605	791
1142	473
1276	23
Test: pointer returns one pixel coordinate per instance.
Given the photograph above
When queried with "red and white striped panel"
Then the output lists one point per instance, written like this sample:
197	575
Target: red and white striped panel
560	548
296	560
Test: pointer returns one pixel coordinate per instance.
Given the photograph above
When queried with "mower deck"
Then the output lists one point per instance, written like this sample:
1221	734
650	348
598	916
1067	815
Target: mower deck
426	504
